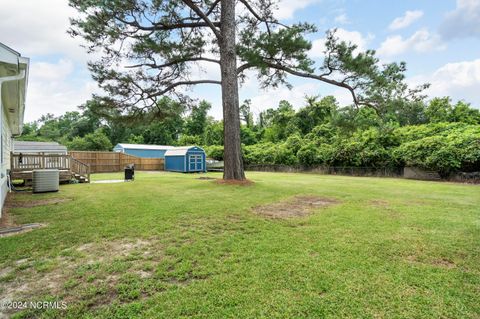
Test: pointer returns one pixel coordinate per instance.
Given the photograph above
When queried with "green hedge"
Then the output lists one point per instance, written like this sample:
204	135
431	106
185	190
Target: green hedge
442	147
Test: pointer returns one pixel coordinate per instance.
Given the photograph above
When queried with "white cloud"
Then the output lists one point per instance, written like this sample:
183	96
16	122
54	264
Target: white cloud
56	88
342	19
407	19
205	70
355	37
43	71
463	21
58	78
36	28
287	8
460	80
421	41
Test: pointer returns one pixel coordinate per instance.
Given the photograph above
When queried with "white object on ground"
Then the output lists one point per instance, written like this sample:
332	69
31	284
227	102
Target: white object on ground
108	181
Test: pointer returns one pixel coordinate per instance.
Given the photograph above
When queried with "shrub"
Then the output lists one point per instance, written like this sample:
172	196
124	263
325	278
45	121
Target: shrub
284	156
308	154
96	141
263	153
294	143
458	150
214	151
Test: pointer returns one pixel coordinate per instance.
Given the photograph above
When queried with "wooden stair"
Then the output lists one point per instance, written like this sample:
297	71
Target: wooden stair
80	170
81	178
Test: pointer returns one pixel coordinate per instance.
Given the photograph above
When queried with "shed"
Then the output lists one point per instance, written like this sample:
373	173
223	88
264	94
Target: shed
27	147
143	150
186	159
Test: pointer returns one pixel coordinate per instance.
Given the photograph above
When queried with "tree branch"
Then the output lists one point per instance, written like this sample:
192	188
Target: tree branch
284	68
212	7
202	15
160	26
159	66
243	67
259	18
174	85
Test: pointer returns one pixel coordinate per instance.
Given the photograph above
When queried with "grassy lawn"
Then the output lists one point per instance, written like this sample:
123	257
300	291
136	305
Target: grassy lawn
170	245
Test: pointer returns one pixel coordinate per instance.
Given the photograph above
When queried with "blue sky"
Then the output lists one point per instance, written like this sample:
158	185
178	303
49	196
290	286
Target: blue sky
439	40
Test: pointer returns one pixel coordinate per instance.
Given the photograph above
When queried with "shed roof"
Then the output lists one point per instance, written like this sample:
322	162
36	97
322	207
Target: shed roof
181	150
30	146
144	146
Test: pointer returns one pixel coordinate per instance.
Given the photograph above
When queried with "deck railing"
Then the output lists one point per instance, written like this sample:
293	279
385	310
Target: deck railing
30	162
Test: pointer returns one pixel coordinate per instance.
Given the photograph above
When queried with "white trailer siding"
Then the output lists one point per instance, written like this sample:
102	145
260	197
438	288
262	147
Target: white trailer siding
6	147
13	85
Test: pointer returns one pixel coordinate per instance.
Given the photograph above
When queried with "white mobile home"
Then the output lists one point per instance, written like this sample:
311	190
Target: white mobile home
28	147
13	86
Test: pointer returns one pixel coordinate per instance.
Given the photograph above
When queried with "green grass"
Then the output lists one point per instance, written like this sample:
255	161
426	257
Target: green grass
169	245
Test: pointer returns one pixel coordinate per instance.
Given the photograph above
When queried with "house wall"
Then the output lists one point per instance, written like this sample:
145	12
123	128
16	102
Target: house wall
5	148
46	152
175	163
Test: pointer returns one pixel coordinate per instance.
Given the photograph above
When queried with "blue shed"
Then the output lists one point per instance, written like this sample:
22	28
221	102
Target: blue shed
143	150
185	159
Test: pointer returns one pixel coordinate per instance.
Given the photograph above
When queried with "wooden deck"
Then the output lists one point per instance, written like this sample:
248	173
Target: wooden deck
23	165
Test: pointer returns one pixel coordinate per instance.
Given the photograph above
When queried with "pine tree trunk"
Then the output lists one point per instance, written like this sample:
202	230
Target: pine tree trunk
233	162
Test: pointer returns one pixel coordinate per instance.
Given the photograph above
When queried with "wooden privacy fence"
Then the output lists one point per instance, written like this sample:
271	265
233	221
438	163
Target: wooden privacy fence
103	162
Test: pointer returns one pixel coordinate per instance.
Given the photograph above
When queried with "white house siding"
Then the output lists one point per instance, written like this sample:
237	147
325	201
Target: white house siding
6	146
13	86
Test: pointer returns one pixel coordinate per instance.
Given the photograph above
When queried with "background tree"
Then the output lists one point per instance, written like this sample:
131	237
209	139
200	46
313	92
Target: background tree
160	42
246	114
96	141
197	120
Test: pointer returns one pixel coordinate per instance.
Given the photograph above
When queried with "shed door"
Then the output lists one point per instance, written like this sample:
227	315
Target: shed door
195	162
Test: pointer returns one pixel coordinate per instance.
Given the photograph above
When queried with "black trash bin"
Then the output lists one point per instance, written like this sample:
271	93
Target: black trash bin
130	172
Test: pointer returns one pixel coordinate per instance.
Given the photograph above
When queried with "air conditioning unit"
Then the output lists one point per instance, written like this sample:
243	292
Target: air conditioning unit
46	180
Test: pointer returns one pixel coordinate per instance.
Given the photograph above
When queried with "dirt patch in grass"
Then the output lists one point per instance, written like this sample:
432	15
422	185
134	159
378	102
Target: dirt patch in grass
96	274
298	206
444	263
245	182
107	250
77	270
35	202
379	203
437	262
205	178
6	220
